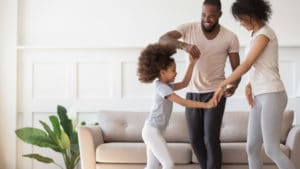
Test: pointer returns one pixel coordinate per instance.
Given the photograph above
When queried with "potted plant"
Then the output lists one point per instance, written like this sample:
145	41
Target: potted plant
61	138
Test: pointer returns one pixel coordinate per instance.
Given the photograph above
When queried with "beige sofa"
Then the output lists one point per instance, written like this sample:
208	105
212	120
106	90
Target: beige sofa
117	142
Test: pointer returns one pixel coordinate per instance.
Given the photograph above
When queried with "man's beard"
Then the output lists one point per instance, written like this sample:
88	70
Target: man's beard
208	29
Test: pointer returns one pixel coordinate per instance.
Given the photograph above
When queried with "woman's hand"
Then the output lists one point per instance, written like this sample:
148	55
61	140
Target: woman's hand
218	95
249	96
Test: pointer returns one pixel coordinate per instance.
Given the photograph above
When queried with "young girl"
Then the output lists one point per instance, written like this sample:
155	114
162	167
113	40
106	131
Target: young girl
156	62
265	92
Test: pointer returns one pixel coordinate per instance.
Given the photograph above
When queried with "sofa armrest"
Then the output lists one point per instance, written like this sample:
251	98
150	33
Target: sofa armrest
293	142
89	138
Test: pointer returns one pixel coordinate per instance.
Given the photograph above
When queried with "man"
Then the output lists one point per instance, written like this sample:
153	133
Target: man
213	43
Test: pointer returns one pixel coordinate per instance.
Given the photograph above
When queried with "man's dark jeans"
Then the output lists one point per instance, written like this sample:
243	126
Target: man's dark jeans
204	127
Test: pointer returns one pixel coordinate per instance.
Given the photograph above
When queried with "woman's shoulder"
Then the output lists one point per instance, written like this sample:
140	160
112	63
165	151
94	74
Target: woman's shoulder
267	31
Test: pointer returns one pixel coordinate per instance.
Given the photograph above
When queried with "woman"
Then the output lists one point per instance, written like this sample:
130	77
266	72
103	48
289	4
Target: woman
265	93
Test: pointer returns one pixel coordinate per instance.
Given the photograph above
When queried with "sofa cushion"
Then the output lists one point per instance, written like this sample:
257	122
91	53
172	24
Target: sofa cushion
120	126
236	153
177	129
234	127
136	153
235	123
287	124
126	126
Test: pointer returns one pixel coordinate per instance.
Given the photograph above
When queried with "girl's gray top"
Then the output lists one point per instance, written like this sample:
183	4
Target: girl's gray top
162	108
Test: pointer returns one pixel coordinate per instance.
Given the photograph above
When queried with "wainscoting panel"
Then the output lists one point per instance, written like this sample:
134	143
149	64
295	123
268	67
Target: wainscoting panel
50	81
95	80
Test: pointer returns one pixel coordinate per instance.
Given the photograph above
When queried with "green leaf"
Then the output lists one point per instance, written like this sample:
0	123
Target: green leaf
39	158
74	138
65	140
52	135
74	142
65	122
28	132
36	137
55	124
75	148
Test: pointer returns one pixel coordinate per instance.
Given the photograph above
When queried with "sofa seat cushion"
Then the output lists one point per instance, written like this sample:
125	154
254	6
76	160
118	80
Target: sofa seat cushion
236	153
116	152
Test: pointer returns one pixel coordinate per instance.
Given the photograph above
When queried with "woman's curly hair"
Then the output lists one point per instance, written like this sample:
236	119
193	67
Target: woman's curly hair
153	59
259	9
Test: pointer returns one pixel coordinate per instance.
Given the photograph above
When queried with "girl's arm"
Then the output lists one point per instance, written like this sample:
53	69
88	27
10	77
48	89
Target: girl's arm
188	75
189	103
185	81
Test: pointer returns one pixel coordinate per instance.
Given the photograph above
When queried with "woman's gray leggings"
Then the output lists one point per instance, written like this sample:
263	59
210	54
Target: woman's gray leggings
264	127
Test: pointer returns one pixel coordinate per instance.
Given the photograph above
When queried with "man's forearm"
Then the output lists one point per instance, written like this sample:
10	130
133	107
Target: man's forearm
172	38
174	42
237	82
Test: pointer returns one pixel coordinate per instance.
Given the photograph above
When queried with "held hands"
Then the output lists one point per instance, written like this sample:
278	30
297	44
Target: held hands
222	91
227	91
192	50
210	104
193	60
230	89
218	94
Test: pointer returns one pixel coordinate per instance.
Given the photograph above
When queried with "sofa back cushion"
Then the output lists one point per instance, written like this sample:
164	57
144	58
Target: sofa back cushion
120	126
126	126
235	123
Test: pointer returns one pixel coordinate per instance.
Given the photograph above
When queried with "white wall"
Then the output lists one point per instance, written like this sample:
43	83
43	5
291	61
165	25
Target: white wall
83	53
129	23
8	85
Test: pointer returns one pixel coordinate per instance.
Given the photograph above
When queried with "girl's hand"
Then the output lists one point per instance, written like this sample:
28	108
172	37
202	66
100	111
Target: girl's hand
193	50
192	59
210	104
249	96
218	95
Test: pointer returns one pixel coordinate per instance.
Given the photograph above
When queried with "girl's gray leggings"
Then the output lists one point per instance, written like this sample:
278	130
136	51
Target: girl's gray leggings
264	127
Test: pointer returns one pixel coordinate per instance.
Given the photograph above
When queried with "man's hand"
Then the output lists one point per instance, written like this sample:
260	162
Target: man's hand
192	50
229	91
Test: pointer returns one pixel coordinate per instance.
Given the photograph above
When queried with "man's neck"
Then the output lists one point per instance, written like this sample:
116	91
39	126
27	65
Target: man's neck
211	35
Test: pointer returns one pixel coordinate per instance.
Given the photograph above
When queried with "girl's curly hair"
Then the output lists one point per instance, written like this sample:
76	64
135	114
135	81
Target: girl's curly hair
259	9
153	59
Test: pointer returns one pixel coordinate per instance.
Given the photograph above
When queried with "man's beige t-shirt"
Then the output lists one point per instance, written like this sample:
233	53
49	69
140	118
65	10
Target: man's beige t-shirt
209	70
